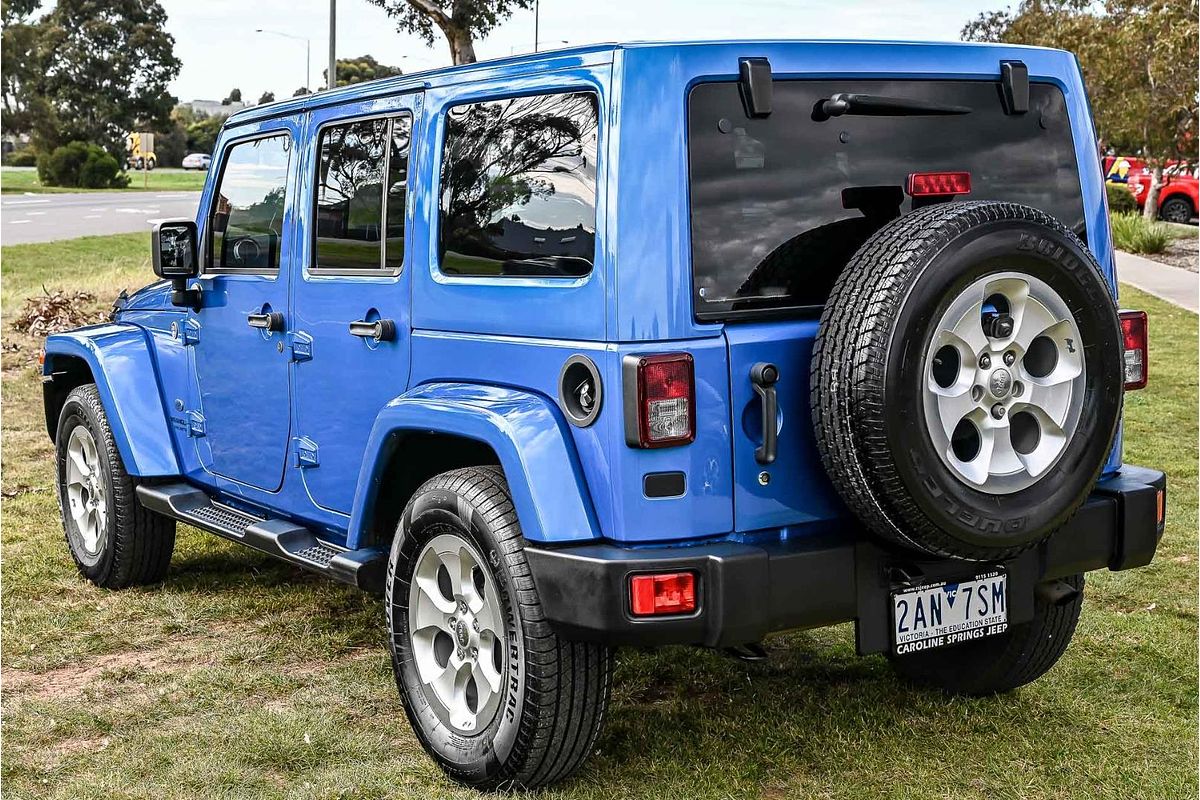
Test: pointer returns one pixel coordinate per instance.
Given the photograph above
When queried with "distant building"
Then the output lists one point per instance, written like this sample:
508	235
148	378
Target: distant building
215	107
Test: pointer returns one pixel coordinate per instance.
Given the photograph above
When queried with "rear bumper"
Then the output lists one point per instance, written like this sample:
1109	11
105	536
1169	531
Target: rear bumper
746	591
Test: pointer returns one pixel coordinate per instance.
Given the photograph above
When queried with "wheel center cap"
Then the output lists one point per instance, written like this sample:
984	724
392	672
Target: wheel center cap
462	633
1000	382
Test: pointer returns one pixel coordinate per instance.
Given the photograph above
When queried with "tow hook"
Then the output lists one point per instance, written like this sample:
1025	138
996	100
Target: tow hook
750	652
1056	593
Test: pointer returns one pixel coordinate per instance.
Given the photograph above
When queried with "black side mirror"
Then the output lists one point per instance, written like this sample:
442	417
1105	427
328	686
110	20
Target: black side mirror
174	256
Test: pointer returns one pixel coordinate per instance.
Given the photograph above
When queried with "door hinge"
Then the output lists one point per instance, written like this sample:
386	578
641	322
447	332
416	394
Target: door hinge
301	346
306	452
188	332
195	423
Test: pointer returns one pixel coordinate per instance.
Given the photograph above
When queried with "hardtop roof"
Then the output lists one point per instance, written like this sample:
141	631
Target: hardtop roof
529	63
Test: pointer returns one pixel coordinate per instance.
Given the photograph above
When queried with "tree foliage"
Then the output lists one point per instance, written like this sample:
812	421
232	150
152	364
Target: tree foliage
1138	58
88	70
266	97
461	22
360	70
235	96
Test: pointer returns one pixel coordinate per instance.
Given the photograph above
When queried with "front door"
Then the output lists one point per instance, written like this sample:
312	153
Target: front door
350	305
240	428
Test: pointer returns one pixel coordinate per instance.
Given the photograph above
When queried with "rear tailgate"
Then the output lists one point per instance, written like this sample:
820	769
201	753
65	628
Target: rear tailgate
779	204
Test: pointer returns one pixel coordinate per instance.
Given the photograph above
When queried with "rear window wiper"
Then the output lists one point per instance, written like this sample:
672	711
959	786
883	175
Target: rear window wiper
873	105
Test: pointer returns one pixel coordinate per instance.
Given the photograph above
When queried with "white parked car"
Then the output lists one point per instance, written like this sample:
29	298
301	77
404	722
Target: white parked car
197	161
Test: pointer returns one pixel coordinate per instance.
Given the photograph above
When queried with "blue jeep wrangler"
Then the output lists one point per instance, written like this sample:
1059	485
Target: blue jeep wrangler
649	344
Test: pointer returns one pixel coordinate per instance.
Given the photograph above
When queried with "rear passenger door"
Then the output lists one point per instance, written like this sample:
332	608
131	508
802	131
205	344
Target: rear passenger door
350	301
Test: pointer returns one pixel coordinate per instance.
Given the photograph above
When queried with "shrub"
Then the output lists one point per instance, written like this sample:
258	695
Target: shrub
21	158
82	165
1133	233
1120	199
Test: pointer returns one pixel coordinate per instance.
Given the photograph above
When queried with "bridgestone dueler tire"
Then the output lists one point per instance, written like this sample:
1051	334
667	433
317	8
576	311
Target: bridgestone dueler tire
867	378
1000	663
557	690
137	543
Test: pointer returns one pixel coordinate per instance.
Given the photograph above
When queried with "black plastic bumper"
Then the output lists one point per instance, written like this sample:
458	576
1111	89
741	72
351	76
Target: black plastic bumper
746	591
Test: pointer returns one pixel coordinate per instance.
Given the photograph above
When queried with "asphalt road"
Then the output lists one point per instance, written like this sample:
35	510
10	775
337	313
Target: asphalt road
28	218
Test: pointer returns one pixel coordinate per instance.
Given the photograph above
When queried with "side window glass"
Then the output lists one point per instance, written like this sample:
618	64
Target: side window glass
397	184
350	180
518	194
246	222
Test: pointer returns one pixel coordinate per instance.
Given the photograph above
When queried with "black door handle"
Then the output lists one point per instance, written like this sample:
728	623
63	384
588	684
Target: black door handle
763	377
381	330
272	321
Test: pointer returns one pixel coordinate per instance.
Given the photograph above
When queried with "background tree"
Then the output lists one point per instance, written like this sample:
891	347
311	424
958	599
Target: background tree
1139	60
235	96
105	67
303	90
460	21
358	70
266	97
20	67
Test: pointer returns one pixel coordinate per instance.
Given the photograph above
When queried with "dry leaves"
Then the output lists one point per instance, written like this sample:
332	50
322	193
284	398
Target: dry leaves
52	312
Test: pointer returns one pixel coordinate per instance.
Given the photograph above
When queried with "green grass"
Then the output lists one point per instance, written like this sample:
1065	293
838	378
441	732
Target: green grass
243	677
1133	233
20	180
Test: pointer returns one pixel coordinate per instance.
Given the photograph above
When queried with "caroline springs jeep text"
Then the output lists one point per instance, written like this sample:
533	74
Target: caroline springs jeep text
648	344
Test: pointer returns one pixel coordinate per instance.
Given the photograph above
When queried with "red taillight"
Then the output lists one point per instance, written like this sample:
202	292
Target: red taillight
665	593
931	184
1136	345
666	400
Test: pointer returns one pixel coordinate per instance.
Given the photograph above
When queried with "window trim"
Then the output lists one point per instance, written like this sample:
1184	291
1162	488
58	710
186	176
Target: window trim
551	281
288	186
313	268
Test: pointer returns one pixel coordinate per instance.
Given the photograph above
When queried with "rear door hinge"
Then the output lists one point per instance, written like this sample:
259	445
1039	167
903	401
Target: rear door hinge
301	346
306	452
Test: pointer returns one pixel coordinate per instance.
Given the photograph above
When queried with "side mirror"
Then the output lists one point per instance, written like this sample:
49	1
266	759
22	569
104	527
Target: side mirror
174	256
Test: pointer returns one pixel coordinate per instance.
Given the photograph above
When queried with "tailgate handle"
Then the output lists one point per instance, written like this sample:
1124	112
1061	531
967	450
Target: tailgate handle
763	377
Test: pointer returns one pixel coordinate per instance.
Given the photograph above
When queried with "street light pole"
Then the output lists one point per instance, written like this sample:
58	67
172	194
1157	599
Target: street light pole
307	52
331	82
535	25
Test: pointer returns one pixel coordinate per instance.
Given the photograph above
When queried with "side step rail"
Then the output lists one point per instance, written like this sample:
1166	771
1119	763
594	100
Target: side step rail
281	538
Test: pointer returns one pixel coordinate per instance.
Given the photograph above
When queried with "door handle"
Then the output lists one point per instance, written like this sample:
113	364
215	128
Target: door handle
381	330
272	321
763	377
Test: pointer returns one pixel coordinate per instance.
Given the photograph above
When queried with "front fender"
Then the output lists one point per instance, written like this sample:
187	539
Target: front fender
525	431
122	368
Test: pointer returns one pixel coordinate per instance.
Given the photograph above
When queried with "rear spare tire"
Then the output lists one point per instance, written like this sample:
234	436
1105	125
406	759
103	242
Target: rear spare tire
967	379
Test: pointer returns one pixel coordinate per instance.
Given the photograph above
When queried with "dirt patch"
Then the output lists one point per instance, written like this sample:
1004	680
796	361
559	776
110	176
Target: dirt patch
1182	252
70	682
20	489
52	312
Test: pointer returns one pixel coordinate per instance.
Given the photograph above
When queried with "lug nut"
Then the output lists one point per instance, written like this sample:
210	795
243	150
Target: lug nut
985	361
1018	389
474	652
977	393
1010	358
475	625
462	607
998	411
453	622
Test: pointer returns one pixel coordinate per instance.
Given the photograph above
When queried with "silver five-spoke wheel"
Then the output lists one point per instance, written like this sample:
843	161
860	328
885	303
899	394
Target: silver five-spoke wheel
457	629
86	496
1004	382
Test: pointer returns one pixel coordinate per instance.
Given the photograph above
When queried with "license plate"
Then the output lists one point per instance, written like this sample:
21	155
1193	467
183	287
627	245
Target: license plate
941	614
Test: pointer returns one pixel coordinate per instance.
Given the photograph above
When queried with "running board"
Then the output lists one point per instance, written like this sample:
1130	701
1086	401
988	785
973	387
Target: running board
281	538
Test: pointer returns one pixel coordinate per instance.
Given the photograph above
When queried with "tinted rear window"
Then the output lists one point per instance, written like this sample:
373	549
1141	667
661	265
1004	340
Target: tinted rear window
780	204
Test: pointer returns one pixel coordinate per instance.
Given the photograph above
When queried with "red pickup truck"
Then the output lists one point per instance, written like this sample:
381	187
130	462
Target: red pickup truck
1177	198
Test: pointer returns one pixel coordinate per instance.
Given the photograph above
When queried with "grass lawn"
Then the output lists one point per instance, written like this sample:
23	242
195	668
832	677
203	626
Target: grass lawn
18	180
243	677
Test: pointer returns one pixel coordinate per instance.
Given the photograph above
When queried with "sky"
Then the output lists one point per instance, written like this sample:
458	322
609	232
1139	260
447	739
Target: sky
220	50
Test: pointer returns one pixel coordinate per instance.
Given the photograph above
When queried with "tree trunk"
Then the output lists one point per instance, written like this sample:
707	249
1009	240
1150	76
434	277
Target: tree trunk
1150	210
462	49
